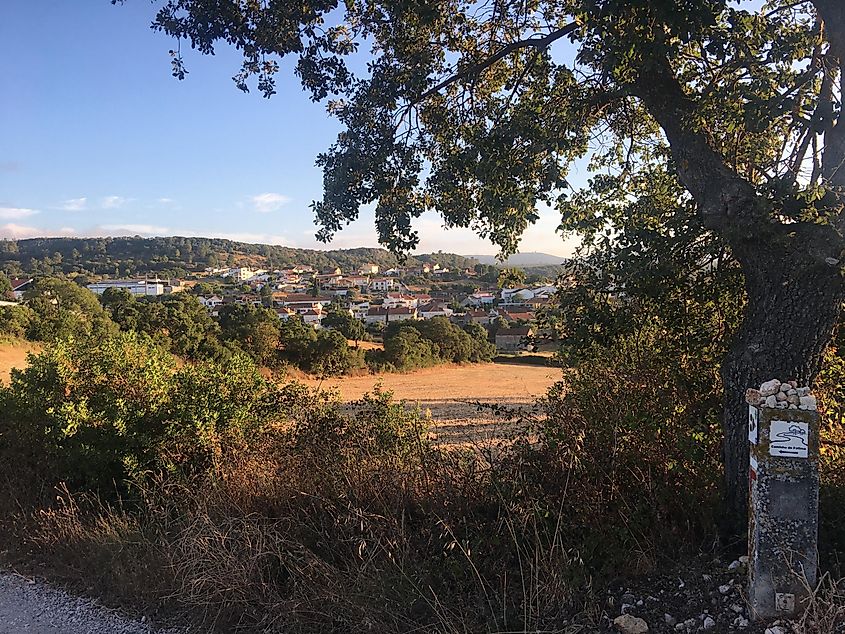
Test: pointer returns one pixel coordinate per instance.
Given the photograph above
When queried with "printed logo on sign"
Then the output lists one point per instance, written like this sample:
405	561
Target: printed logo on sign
753	414
788	439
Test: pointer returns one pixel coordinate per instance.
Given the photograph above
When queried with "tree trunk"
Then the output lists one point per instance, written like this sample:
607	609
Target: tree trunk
794	300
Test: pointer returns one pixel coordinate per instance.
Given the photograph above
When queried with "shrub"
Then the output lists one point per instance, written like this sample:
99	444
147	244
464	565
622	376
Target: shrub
97	413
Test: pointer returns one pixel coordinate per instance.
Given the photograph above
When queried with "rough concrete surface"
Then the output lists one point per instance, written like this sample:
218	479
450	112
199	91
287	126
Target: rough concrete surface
32	607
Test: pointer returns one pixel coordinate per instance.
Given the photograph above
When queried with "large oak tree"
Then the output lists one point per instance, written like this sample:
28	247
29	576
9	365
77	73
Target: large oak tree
478	108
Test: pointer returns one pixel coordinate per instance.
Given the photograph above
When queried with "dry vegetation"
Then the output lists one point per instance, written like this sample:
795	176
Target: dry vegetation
455	396
13	355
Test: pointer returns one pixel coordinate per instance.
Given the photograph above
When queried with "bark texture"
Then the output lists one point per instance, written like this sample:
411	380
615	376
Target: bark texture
794	301
793	273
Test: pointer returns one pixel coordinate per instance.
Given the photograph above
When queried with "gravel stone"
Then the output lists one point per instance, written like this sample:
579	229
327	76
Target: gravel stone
30	606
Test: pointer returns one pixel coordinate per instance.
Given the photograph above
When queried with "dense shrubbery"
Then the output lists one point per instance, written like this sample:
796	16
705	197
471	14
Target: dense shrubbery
252	503
274	502
98	413
409	345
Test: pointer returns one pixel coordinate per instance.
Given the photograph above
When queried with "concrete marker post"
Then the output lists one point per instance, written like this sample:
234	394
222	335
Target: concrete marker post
783	509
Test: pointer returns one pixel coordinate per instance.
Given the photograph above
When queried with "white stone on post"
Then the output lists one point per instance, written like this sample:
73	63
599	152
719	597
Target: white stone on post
783	507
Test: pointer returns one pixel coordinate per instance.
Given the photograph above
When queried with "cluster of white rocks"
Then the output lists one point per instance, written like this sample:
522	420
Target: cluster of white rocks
781	395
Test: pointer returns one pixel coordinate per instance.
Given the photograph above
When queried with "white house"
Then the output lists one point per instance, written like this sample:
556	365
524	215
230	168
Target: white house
514	295
378	314
211	302
545	291
394	300
312	317
382	284
479	298
240	273
434	309
144	288
359	309
302	303
368	269
20	285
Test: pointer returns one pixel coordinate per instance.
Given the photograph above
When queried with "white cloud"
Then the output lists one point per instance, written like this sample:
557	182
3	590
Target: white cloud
19	232
16	213
165	201
113	202
265	203
75	204
133	229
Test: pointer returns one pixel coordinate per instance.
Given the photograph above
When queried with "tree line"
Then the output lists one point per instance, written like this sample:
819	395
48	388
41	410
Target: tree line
56	309
177	256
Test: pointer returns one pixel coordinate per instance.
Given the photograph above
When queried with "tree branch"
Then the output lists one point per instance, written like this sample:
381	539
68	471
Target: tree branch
725	199
538	43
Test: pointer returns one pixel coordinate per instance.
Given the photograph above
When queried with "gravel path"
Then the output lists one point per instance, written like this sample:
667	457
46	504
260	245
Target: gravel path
35	608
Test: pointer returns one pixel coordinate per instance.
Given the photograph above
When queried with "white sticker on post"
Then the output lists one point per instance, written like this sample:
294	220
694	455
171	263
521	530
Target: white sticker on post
789	439
753	416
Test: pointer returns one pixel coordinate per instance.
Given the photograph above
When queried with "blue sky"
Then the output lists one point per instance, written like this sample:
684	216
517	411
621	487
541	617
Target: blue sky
99	139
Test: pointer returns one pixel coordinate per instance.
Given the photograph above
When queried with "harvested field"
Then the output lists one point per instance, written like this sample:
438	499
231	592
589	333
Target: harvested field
451	394
13	355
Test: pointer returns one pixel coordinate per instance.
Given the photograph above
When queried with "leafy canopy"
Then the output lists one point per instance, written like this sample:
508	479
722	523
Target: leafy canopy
479	109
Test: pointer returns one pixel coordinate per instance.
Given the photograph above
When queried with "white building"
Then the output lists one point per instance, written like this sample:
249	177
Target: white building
514	295
20	285
212	304
240	273
312	318
479	299
382	284
385	315
394	300
434	309
144	288
359	309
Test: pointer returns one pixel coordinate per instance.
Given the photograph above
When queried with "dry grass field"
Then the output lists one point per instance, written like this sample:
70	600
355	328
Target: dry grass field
451	394
13	355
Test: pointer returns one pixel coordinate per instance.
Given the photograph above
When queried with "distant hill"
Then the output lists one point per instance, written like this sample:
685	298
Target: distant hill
179	256
524	260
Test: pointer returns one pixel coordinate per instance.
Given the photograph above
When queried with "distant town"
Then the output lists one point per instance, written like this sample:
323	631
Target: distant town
371	285
369	294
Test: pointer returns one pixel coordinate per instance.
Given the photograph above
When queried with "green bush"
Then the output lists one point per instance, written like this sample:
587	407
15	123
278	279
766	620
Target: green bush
97	413
15	321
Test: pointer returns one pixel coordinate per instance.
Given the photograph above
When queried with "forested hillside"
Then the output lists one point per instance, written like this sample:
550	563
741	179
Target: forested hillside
176	256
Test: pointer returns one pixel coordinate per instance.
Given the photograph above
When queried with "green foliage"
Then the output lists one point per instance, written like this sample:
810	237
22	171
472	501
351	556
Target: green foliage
409	345
175	257
297	339
511	278
659	269
95	408
15	321
62	309
97	413
5	288
255	329
331	355
343	321
407	350
178	322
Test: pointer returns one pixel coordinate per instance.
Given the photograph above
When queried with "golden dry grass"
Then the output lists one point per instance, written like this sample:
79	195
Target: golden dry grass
451	394
13	355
